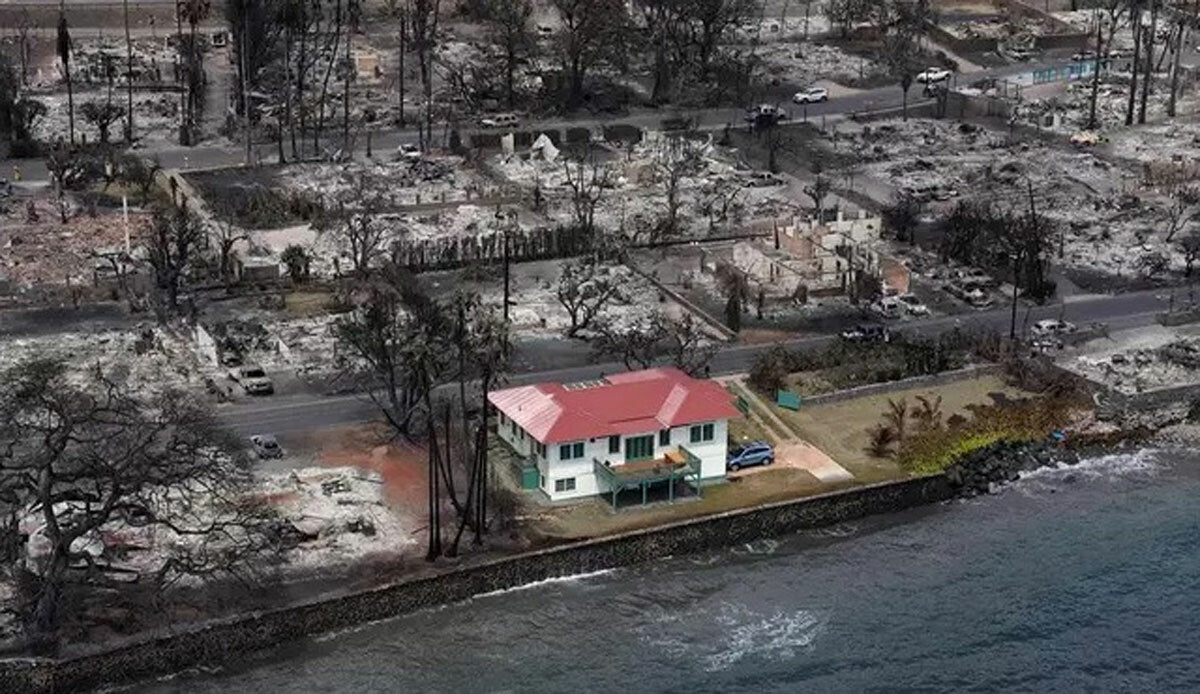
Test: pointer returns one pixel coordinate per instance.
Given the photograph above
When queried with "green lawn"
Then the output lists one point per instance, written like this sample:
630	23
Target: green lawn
840	429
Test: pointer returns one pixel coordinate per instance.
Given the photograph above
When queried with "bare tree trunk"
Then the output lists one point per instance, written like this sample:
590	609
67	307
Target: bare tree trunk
337	36
1148	78
1136	20
403	36
349	67
1100	60
287	93
301	72
244	68
128	77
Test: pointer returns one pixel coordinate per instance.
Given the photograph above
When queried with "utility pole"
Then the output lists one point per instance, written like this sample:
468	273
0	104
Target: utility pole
350	69
128	78
245	65
403	33
506	268
1012	329
185	138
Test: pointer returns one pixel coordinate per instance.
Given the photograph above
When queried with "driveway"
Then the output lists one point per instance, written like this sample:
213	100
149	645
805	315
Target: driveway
790	449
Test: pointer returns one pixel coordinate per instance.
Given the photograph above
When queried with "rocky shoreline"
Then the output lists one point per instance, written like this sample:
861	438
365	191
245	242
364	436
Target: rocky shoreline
985	470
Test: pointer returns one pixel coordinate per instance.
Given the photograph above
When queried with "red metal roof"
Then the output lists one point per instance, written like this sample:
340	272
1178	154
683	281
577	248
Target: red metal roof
636	402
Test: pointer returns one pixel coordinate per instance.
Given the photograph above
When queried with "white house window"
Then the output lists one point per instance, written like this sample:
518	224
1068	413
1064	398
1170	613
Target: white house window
570	451
614	444
701	433
664	437
565	485
540	448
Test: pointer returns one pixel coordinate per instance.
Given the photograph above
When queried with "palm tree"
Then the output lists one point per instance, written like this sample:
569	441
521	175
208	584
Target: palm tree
928	414
896	417
194	12
882	439
64	55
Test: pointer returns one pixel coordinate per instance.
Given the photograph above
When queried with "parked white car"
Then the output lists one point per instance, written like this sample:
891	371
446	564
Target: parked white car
265	446
913	305
1051	327
500	120
933	74
812	95
888	307
408	151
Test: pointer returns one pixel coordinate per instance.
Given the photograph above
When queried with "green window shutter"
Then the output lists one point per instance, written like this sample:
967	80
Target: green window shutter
694	434
577	451
708	432
614	444
564	452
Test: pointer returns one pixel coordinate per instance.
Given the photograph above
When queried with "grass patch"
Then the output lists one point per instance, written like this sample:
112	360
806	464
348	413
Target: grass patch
593	517
303	304
747	427
841	429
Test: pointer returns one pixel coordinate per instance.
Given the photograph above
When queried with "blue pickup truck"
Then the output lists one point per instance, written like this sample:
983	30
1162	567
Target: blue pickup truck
749	455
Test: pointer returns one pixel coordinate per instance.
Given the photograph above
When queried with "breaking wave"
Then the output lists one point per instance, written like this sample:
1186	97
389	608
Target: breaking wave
774	636
573	578
1144	461
721	640
765	546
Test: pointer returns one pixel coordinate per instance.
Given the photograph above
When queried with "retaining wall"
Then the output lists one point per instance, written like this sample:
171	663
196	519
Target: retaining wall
226	639
906	383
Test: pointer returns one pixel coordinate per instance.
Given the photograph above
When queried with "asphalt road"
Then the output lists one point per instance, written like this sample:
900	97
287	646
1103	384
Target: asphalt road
307	413
385	142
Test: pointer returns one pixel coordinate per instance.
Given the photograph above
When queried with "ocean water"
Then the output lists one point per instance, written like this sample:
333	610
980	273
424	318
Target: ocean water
1082	579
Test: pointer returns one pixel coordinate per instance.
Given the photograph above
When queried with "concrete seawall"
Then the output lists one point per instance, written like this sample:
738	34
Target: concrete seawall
221	640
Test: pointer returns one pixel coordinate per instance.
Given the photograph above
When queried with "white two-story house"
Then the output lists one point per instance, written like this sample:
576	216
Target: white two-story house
625	431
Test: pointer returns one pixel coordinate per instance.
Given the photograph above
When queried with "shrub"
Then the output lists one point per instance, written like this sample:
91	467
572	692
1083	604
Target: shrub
934	448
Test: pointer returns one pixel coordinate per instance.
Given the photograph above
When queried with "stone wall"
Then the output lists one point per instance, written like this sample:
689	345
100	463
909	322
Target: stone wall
222	640
906	383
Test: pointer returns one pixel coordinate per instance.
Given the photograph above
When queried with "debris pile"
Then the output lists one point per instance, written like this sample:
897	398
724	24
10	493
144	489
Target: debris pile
336	515
36	248
154	357
1151	360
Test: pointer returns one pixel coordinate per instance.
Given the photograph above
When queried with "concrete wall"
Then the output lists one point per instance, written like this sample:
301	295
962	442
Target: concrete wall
218	641
905	384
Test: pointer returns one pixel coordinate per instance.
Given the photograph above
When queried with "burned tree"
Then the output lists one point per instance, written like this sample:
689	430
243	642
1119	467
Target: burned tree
585	288
172	241
587	180
64	48
423	16
354	223
903	216
1113	13
508	22
1182	211
392	345
637	345
682	342
593	32
97	462
678	160
818	191
226	234
102	115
